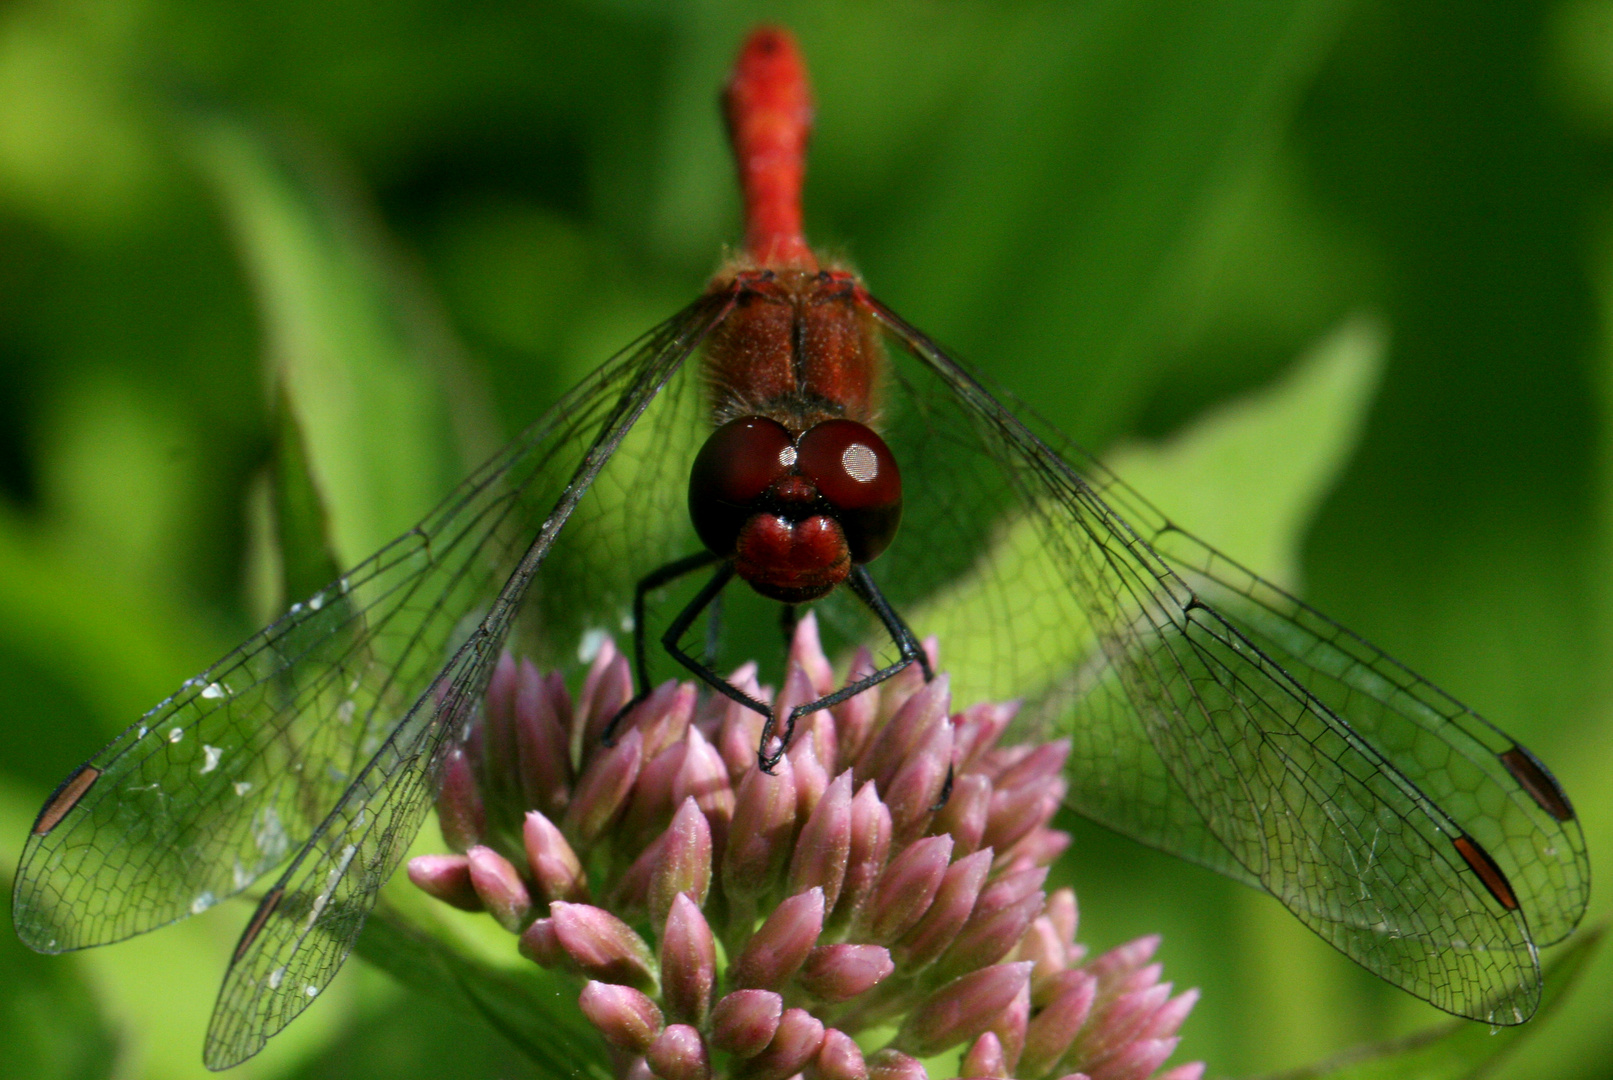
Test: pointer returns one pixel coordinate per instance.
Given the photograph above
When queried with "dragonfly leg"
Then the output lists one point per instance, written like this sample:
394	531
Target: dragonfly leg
906	643
704	672
648	584
869	593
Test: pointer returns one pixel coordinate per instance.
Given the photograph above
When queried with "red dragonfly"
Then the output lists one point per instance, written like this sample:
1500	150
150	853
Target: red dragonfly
1212	715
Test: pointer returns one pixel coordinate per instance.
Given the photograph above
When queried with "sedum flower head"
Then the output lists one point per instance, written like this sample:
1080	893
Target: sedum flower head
873	903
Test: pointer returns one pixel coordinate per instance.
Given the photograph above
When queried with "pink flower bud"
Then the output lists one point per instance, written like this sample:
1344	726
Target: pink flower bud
704	778
664	717
499	717
679	1053
984	1058
964	815
631	894
895	1065
1120	1022
839	1058
962	1009
607	688
603	788
1010	1025
1039	847
459	804
650	806
797	690
796	1043
1051	1032
745	1021
741	730
1062	909
628	1019
500	887
817	730
896	691
1122	960
854	717
811	778
1036	768
556	870
870	847
906	731
806	653
1136	1060
978	729
1191	1071
446	877
1042	947
684	865
540	944
688	962
954	900
780	946
542	744
759	838
602	946
824	844
987	938
907	888
841	972
1168	1020
915	789
1013	813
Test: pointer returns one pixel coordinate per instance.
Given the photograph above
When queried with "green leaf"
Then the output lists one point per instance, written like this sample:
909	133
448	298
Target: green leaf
1249	477
371	414
302	527
1056	231
532	1008
54	1030
1459	1049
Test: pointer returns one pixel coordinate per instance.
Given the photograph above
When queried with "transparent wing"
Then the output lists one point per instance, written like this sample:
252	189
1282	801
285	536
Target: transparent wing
1215	717
306	925
321	713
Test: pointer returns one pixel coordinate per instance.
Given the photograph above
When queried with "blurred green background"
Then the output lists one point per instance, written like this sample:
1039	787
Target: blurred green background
1129	212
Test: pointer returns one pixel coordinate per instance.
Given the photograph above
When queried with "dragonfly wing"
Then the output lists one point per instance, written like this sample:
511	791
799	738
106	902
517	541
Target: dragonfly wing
306	925
1300	800
1115	775
231	776
1497	792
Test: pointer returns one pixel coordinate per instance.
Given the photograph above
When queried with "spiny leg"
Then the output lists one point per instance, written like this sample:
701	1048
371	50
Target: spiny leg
647	584
906	644
703	672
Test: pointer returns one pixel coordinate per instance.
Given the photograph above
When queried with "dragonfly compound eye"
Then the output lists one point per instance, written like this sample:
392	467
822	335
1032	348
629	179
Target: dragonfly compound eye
856	474
733	471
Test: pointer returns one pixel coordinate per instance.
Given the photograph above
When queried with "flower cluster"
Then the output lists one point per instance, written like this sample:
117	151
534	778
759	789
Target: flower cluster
876	900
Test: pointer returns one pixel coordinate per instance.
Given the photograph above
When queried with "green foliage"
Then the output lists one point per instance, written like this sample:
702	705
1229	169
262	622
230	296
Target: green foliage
1455	1050
270	274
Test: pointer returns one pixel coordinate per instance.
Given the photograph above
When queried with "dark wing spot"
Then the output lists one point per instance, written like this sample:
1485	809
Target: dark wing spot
1540	784
66	797
1487	870
271	900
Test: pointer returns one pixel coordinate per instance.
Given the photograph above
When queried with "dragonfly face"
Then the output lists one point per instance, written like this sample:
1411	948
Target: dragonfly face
797	487
1209	713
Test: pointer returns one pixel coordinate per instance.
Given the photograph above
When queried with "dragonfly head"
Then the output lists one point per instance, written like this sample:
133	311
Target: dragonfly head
795	513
